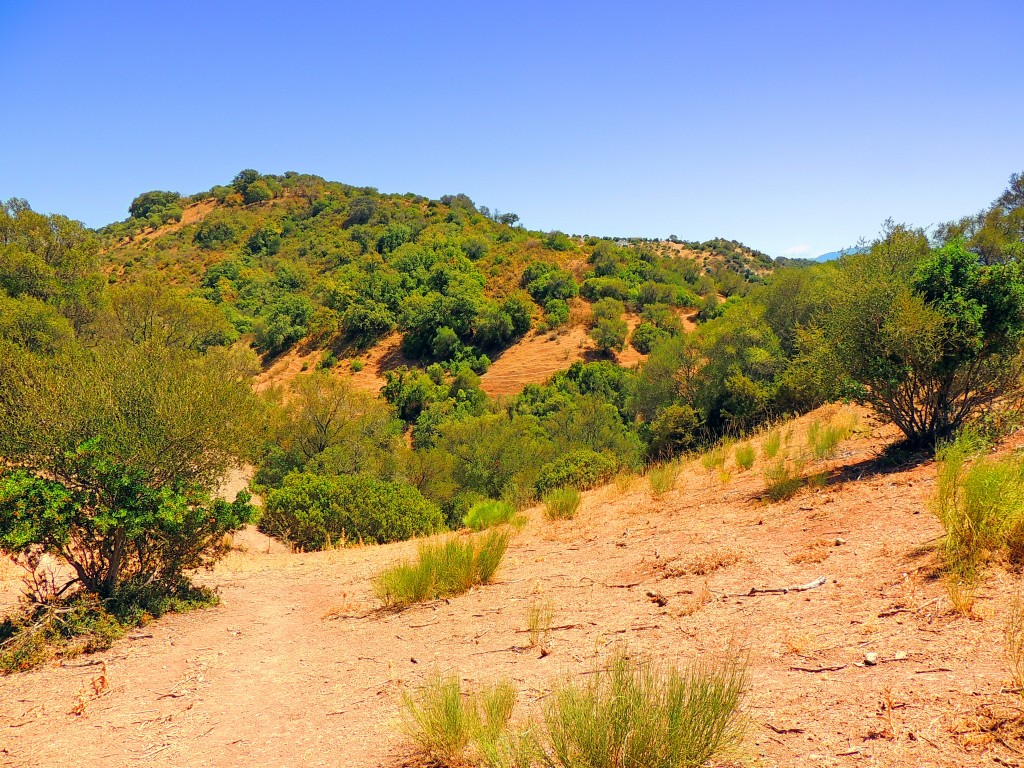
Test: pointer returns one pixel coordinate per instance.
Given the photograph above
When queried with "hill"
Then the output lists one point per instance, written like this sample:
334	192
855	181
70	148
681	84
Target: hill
295	261
832	255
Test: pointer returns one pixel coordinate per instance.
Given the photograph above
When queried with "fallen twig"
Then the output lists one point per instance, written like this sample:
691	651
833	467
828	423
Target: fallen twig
782	731
819	669
818	582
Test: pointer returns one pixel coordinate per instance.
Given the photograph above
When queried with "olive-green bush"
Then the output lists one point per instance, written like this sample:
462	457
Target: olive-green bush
316	512
581	469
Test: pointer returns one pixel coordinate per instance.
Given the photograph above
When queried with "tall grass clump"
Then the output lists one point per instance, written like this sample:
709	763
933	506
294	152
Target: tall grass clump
980	503
771	444
745	456
715	458
446	568
823	439
487	514
539	616
453	728
561	503
662	477
633	713
783	478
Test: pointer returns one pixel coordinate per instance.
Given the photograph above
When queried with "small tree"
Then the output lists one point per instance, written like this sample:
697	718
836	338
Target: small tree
609	329
928	337
113	453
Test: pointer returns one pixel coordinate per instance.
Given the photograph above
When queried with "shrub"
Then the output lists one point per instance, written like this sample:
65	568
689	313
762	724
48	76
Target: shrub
645	336
745	456
487	514
442	569
316	512
455	729
356	366
633	713
715	458
581	469
561	503
980	503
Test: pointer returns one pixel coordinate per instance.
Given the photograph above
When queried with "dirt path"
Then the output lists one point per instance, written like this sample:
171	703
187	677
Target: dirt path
297	668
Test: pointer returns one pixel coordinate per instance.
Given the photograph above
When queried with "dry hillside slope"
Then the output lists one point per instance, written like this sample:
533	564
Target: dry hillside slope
298	667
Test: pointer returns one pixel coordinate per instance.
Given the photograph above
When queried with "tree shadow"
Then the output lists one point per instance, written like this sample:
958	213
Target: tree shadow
895	458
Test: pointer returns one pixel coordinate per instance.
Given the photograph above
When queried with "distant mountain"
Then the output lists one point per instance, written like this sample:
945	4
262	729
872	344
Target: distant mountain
837	254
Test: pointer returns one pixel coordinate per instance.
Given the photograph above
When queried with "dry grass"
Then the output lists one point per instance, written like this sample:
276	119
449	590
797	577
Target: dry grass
745	456
662	477
539	616
1013	644
561	503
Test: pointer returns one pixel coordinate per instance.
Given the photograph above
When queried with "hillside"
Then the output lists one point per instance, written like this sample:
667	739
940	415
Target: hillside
298	654
296	264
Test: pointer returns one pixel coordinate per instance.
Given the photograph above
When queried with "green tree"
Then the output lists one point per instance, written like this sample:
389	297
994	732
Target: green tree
927	336
112	455
608	329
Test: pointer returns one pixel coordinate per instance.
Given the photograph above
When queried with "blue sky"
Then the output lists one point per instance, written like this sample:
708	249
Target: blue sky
796	127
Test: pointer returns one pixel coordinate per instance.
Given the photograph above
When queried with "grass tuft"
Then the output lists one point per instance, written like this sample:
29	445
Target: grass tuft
561	503
445	568
745	456
539	616
633	713
771	444
487	514
662	477
783	479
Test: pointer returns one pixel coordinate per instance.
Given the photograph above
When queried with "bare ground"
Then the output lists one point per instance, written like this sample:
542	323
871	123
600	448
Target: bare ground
297	666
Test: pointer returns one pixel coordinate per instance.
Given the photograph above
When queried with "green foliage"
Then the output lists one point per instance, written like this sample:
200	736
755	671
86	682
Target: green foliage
674	430
633	713
745	456
443	569
452	728
823	439
928	337
581	469
156	207
116	450
645	336
33	324
771	443
783	479
662	477
980	503
561	503
487	514
608	329
545	281
313	512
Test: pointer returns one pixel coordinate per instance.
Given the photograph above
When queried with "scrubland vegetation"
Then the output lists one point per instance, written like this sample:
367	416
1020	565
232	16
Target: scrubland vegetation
126	394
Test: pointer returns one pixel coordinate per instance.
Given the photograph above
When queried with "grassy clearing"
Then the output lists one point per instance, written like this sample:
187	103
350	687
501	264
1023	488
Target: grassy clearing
488	514
561	503
980	503
444	568
662	477
629	712
745	456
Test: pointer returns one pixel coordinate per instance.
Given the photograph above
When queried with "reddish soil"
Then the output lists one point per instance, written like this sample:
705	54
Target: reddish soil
298	666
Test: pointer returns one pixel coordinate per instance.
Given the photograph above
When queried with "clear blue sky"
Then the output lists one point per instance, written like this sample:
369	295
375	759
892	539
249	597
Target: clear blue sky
796	127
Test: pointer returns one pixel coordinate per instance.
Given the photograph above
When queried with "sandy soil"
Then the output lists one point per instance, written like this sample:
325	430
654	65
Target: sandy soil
298	666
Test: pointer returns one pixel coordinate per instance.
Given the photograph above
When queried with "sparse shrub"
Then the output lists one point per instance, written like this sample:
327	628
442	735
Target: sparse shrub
662	477
581	469
456	729
783	479
633	713
624	481
771	444
561	503
980	503
317	512
823	439
442	569
745	456
487	514
356	366
715	458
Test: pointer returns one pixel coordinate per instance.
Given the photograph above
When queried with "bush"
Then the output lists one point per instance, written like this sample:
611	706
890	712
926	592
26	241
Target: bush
980	503
581	469
645	336
632	713
561	503
487	514
356	366
443	569
314	512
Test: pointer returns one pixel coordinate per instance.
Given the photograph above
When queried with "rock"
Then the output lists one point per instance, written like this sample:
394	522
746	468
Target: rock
899	656
870	659
840	541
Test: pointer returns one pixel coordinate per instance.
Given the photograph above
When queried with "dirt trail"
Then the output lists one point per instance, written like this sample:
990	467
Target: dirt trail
296	667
